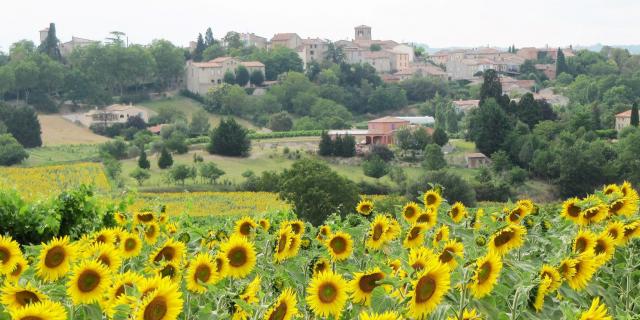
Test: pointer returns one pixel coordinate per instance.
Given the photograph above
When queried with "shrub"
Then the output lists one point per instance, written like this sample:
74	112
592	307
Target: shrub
366	187
165	160
433	158
280	122
11	151
79	212
143	162
455	188
381	151
229	139
117	149
375	167
26	223
492	191
140	175
192	95
316	191
181	172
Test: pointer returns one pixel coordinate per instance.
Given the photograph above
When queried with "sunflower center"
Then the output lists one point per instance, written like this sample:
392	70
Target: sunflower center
145	217
156	309
168	271
439	236
628	231
600	247
88	280
54	257
418	265
515	215
616	206
296	228
573	210
431	199
414	233
423	218
26	297
446	256
368	282
327	292
454	212
17	271
245	228
279	312
121	289
613	233
425	289
151	231
377	232
5	255
237	257
101	239
282	243
409	212
581	245
503	238
321	266
484	272
203	273
591	212
167	253
338	245
130	244
104	259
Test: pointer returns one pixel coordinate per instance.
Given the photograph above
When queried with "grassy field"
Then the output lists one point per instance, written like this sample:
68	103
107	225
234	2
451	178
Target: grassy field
61	154
189	107
57	130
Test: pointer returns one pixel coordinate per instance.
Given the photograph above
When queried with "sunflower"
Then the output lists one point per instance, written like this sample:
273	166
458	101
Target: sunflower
339	245
432	199
428	217
526	204
395	265
604	249
585	241
118	292
240	254
585	266
364	207
517	214
169	270
297	226
441	235
250	294
143	217
415	236
486	274
467	315
88	282
321	265
597	212
541	291
245	225
611	189
507	239
55	259
107	255
120	217
410	212
477	223
616	231
449	252
284	239
170	251
294	246
163	303
430	286
264	224
631	231
323	232
420	257
394	229
363	284
151	232
105	236
9	254
622	206
21	266
327	294
16	296
379	227
632	197
171	228
597	311
284	308
222	265
567	268
130	245
45	310
201	272
457	212
571	210
553	274
388	315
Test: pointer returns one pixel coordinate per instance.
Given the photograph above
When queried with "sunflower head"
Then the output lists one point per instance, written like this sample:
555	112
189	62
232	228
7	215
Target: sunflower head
450	251
585	241
428	217
240	254
284	308
44	310
339	245
9	254
88	282
321	265
323	232
284	236
441	235
432	199
507	239
388	315
169	270
165	302
143	217
151	232
264	224
378	232
486	274
585	267
597	311
21	266
430	286
171	251
363	284
17	296
297	226
457	212
327	294
467	314
201	272
245	226
571	210
130	245
604	248
364	207
410	212
420	257
55	259
553	274
631	231
107	255
415	236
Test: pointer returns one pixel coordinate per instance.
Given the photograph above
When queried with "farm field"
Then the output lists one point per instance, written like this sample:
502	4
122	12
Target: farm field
61	154
57	130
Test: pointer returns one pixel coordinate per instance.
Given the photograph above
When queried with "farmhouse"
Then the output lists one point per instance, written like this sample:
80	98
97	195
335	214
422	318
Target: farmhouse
476	160
382	130
202	76
116	113
623	120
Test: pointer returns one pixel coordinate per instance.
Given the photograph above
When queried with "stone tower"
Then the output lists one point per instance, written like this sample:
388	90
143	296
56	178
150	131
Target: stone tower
363	33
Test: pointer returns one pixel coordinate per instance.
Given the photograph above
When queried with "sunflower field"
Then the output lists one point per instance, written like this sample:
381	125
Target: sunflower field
42	182
429	260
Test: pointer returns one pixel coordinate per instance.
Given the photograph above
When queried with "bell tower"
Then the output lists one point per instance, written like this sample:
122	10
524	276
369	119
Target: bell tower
363	33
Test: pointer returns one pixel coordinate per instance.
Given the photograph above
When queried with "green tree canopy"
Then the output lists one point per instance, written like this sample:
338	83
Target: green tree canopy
229	139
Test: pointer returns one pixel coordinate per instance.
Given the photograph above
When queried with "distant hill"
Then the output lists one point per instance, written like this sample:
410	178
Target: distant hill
633	48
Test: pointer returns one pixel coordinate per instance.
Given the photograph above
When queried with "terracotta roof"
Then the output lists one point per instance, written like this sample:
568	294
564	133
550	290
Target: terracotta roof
206	64
252	64
461	103
475	155
220	59
387	120
283	36
625	114
156	129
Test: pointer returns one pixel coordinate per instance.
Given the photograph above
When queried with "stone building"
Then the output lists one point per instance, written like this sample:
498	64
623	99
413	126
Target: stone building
202	76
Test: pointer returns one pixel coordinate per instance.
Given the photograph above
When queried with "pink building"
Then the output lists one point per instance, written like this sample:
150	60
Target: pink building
382	130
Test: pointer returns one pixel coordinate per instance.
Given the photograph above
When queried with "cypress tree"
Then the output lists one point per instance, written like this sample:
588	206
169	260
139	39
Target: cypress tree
50	45
197	53
143	162
208	38
325	148
634	114
165	160
337	146
561	63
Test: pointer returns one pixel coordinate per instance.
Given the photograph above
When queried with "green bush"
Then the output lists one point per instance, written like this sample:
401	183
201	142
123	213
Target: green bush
455	188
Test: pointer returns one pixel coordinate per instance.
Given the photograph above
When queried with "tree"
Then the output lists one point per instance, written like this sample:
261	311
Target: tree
199	123
334	53
242	76
455	188
561	63
316	191
22	123
112	166
180	173
50	45
232	40
177	142
165	160
7	80
634	114
491	87
452	120
211	172
344	146
169	62
208	38
375	167
140	175
488	126
375	47
500	161
229	139
433	158
143	162
197	52
11	151
257	78
229	77
212	52
382	151
440	137
280	121
326	146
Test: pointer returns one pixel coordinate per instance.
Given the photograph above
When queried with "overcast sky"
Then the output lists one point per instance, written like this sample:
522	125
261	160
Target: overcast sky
436	23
